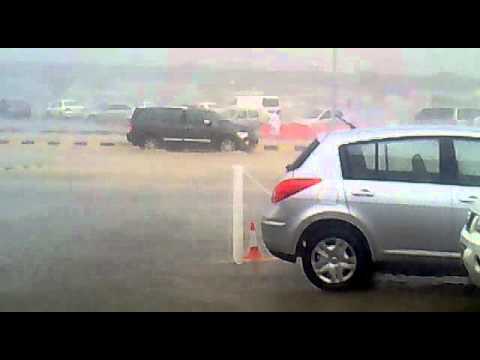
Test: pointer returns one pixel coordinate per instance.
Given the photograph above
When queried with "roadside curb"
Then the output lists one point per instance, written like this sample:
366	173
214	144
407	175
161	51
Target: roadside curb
73	143
282	147
261	147
21	167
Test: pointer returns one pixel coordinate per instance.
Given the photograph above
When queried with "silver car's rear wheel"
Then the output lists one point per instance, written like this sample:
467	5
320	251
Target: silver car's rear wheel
334	261
336	256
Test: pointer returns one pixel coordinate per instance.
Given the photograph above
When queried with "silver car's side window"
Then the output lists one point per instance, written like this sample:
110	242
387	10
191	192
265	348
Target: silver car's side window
401	154
468	162
409	160
414	160
358	161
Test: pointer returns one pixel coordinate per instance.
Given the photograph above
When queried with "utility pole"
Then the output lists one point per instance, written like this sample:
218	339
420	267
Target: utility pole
334	86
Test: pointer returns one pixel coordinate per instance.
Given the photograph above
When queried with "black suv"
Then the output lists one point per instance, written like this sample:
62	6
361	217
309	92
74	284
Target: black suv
188	127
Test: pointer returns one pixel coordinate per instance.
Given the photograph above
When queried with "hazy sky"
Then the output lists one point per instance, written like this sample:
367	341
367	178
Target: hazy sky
400	61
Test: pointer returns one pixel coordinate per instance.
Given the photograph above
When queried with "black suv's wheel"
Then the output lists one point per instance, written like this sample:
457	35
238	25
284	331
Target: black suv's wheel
227	145
336	259
250	149
150	144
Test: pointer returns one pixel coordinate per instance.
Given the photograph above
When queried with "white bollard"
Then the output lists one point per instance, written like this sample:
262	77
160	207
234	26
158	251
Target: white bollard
237	215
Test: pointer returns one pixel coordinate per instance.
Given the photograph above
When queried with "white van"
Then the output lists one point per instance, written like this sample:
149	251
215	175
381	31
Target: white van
262	103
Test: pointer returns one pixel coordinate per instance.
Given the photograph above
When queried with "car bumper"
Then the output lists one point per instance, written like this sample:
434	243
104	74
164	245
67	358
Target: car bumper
471	256
276	237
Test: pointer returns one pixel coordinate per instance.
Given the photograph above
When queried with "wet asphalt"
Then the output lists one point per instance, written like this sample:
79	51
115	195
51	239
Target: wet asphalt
120	229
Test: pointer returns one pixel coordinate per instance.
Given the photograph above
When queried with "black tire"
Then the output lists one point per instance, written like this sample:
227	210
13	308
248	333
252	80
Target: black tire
150	143
362	273
250	149
227	145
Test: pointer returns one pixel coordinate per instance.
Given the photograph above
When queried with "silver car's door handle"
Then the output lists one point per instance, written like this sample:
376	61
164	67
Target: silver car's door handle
469	200
363	193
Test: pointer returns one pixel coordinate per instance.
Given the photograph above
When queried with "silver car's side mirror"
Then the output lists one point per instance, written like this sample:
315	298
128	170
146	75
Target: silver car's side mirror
207	122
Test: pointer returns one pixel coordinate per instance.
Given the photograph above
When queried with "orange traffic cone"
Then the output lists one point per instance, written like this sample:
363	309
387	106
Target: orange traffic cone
253	253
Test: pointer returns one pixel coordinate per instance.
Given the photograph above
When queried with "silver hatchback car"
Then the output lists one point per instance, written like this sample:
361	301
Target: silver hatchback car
391	199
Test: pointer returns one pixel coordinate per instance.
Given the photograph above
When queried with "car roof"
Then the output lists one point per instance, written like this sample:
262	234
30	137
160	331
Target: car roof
359	135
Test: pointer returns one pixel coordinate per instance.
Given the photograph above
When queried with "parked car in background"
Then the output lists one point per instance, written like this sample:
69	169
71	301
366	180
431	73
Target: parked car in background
112	112
65	109
470	244
447	115
209	106
246	117
318	116
188	127
393	199
15	109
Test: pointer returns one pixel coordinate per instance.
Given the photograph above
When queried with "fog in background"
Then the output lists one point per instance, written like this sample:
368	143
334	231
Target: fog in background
375	83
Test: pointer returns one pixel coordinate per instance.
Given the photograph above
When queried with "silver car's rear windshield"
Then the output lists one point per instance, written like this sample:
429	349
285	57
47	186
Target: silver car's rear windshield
303	156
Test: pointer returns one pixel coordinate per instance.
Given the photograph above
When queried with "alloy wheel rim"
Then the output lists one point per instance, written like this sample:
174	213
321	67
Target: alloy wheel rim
227	145
150	144
334	260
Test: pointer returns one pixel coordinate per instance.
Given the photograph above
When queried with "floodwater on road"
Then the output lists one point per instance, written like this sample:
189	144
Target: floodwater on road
124	229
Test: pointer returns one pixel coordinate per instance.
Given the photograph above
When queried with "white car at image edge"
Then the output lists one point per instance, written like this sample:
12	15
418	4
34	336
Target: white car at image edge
470	243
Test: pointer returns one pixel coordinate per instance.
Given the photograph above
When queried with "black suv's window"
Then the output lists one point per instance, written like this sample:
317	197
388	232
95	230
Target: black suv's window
140	115
166	115
195	117
212	116
468	162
